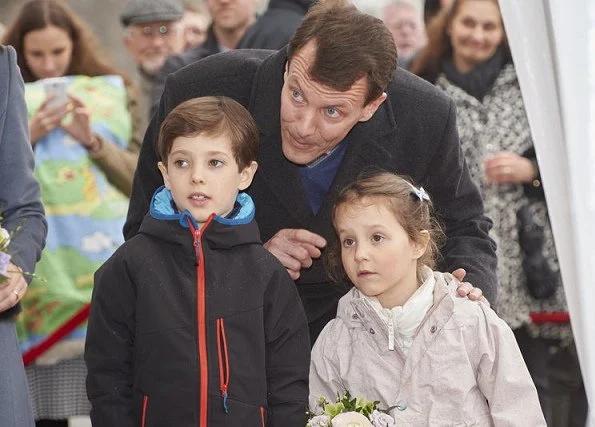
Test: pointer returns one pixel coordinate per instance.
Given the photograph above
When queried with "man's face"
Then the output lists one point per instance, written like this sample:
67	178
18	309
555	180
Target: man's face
150	44
314	117
232	15
195	28
406	26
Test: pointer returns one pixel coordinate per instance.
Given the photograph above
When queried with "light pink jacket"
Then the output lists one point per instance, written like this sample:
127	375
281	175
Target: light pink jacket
464	367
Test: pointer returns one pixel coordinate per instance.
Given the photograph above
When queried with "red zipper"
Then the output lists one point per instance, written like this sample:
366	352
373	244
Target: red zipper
262	415
145	403
201	320
223	362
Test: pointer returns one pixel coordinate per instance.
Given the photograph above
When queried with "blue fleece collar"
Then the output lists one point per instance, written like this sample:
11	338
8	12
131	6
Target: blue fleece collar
162	208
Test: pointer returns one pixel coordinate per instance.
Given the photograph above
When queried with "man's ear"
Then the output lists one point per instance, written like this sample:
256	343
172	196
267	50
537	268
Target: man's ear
421	243
371	107
247	175
164	174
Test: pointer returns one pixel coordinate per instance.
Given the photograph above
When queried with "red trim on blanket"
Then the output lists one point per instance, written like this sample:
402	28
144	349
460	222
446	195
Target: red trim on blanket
553	317
34	352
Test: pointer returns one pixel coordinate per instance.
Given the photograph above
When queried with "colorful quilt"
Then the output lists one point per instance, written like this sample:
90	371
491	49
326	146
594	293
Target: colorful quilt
85	213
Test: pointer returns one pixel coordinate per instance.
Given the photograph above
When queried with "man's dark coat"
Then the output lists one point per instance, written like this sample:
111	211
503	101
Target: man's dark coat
413	133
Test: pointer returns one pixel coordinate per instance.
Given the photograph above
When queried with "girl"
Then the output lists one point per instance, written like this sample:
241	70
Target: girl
401	336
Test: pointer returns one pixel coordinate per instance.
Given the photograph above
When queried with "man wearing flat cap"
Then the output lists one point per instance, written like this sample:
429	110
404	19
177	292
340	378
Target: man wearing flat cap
153	32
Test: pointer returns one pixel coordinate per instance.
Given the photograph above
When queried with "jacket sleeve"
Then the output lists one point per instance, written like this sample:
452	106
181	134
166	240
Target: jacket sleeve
459	207
502	375
20	205
287	352
117	163
109	346
325	380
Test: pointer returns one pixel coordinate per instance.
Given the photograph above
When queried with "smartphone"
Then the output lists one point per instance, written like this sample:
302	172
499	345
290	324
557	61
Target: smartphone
58	87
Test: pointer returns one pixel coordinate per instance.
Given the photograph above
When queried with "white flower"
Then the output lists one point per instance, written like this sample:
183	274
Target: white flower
380	419
351	419
320	421
4	237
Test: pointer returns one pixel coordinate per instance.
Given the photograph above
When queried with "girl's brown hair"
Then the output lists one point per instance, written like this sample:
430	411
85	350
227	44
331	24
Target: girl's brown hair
415	214
39	14
428	64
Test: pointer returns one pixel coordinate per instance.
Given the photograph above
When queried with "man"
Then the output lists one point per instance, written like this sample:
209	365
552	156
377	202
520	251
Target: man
153	32
276	26
196	22
404	20
329	107
230	20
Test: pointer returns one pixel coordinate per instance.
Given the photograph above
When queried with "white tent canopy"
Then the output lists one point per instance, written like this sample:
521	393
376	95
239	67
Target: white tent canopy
553	48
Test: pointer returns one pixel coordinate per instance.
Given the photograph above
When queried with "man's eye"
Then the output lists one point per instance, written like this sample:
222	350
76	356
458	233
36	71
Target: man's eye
215	163
377	238
348	242
332	112
296	94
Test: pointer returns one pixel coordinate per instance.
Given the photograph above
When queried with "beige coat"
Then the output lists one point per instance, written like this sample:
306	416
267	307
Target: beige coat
464	367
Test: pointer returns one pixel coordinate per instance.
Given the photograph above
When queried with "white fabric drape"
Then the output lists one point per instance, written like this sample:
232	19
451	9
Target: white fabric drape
553	47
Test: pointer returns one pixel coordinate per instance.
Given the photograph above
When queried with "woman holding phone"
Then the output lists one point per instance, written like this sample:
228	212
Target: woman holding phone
83	137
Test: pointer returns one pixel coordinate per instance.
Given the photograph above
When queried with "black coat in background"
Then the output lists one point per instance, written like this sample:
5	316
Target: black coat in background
412	133
276	26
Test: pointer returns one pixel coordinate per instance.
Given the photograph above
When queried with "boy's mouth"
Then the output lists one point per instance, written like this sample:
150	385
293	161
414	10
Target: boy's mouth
198	197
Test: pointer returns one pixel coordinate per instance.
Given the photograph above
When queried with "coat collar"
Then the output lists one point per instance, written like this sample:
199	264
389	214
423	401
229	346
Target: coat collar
367	143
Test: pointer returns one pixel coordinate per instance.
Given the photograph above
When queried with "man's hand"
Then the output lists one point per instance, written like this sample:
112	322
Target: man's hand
466	289
295	248
13	288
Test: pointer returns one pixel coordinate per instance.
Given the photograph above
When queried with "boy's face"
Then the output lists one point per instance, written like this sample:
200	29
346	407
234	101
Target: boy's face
203	176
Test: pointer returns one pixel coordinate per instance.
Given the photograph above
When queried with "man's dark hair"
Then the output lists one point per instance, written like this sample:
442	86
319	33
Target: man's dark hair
349	45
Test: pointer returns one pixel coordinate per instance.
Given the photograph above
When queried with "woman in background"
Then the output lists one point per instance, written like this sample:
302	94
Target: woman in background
467	56
85	160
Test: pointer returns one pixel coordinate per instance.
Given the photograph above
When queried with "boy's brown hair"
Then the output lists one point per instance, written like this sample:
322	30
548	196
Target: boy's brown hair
212	116
349	45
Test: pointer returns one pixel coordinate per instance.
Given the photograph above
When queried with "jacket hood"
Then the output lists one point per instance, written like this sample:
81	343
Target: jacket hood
291	4
165	222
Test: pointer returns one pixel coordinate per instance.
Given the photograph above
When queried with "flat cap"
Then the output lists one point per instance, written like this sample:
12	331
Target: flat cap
144	11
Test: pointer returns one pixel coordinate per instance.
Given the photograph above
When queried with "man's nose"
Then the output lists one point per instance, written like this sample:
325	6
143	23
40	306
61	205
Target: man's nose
306	123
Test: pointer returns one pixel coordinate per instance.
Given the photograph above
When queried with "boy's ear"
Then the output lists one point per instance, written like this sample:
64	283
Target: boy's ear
164	174
247	175
421	244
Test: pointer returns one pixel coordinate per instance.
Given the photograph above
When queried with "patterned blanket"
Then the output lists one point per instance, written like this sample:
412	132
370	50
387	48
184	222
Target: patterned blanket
85	214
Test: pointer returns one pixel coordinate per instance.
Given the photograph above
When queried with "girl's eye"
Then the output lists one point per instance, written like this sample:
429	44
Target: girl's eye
296	94
348	242
377	238
215	163
332	112
181	163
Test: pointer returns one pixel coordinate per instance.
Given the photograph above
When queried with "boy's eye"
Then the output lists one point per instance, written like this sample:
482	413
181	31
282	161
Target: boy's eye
377	238
215	163
181	163
348	242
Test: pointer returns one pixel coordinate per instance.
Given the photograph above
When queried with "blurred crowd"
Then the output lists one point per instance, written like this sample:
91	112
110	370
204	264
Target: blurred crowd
460	46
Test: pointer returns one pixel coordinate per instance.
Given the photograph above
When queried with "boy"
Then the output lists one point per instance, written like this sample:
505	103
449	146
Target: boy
193	322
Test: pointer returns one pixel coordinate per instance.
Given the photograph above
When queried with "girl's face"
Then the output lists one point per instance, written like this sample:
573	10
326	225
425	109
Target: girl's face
377	254
475	33
48	52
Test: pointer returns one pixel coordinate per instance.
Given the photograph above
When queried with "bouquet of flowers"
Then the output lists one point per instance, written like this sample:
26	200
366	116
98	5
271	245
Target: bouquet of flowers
349	411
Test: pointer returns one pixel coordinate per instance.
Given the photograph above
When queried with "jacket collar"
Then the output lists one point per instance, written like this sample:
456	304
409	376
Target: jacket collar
368	144
165	222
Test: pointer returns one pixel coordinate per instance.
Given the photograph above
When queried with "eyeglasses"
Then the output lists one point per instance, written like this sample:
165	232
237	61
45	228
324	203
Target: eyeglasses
150	31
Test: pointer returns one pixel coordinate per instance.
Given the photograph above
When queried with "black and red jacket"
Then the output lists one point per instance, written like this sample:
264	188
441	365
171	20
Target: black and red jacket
196	327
